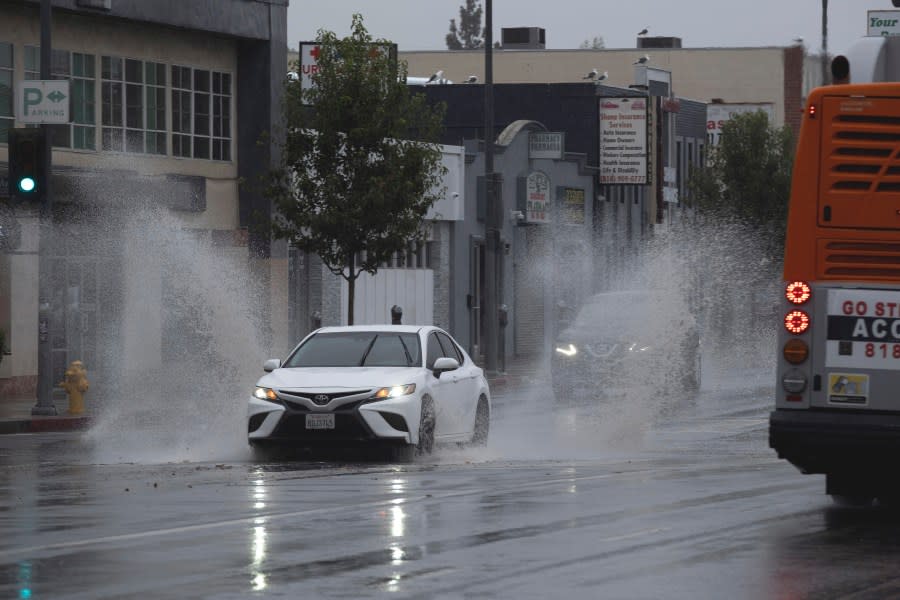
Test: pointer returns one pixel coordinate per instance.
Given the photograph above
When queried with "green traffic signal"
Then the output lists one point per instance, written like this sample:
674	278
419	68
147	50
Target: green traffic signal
26	184
27	161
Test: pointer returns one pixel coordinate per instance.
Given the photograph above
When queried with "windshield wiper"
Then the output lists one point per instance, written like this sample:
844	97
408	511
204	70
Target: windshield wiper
365	355
409	360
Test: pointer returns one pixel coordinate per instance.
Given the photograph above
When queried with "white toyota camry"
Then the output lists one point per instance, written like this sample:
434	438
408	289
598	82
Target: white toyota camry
409	386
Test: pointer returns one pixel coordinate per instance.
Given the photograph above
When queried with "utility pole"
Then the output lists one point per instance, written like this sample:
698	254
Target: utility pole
44	404
491	222
824	42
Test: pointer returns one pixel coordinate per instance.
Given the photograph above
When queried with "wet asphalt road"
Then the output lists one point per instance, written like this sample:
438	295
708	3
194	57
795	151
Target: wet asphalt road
683	501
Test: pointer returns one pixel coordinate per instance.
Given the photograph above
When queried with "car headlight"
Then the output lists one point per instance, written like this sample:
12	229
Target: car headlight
638	348
567	350
395	391
265	394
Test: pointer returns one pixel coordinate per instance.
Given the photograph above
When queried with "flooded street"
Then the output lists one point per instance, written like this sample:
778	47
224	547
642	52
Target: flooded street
687	504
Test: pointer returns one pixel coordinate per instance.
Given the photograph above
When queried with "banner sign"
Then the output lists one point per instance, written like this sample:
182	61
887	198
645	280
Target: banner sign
623	140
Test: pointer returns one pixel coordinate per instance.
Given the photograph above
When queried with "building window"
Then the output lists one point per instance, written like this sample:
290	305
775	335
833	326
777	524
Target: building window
221	114
201	113
60	68
134	106
84	121
6	90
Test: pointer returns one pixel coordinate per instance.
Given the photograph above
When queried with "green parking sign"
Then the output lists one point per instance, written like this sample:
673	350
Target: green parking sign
42	101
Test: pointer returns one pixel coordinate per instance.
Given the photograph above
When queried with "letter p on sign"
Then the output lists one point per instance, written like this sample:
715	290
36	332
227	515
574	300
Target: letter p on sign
32	97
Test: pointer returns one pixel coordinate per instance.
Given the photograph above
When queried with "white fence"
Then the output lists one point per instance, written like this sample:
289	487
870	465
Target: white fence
411	289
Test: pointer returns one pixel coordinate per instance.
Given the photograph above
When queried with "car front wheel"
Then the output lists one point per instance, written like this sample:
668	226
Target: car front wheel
426	428
482	423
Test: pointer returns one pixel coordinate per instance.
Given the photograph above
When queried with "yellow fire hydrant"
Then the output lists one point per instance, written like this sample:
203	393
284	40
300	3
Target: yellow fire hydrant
76	384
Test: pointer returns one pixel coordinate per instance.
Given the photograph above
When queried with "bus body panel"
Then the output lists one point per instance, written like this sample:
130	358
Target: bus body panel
843	240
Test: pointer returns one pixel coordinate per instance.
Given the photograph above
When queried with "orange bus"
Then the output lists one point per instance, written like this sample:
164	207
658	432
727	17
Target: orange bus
837	405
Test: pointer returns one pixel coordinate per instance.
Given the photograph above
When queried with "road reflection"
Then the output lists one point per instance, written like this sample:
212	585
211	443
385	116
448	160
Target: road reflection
258	538
838	552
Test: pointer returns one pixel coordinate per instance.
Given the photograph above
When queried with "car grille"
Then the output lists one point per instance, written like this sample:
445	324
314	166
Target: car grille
348	425
319	399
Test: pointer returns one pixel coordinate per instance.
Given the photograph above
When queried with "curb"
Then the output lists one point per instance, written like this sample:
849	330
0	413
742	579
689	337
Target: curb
44	425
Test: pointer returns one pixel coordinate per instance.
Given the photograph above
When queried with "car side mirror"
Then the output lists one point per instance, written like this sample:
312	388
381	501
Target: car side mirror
443	364
271	364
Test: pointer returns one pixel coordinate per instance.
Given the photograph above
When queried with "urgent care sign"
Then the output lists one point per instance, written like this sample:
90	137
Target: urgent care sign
309	60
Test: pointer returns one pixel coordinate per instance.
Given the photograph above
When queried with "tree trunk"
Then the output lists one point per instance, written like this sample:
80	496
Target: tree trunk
351	287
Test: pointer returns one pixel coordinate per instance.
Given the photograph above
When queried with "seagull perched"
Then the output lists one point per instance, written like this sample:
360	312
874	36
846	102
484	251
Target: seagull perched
603	76
472	79
643	31
436	77
592	75
642	60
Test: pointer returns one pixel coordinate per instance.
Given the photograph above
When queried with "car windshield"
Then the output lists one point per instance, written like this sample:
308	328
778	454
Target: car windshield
358	349
620	314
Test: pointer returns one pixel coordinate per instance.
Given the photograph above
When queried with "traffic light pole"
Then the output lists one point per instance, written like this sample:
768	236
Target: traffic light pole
45	404
491	224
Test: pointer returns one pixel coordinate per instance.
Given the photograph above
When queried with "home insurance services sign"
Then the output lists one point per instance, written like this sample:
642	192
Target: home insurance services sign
623	140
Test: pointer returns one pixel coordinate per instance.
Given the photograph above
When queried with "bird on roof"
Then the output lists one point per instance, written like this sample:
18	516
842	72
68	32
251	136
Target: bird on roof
438	75
592	75
472	79
604	75
798	41
643	31
642	60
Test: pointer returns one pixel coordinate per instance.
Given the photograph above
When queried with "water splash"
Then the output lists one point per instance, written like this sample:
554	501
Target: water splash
190	342
718	273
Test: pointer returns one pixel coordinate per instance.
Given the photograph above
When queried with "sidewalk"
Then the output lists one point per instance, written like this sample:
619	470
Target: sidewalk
16	413
16	417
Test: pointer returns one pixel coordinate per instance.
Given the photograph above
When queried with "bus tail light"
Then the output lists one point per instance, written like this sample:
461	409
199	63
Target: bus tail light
796	321
811	111
795	351
797	292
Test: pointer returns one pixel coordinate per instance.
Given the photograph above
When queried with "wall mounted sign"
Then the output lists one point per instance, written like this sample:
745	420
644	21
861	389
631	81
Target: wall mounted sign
537	198
546	144
623	140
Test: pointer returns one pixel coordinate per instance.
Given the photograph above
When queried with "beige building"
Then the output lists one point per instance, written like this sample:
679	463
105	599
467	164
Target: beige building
728	75
154	188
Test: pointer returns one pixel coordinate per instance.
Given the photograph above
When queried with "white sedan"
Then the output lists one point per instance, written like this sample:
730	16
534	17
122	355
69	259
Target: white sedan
404	385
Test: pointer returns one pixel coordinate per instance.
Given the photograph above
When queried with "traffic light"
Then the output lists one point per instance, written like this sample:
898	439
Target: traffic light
27	164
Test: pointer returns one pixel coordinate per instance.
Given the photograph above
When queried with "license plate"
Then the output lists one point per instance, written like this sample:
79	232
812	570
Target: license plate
323	421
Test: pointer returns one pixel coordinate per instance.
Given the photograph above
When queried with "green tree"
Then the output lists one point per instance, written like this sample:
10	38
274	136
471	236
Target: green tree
748	177
469	34
353	187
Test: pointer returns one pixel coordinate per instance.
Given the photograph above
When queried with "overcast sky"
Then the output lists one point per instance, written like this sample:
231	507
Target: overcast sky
422	24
